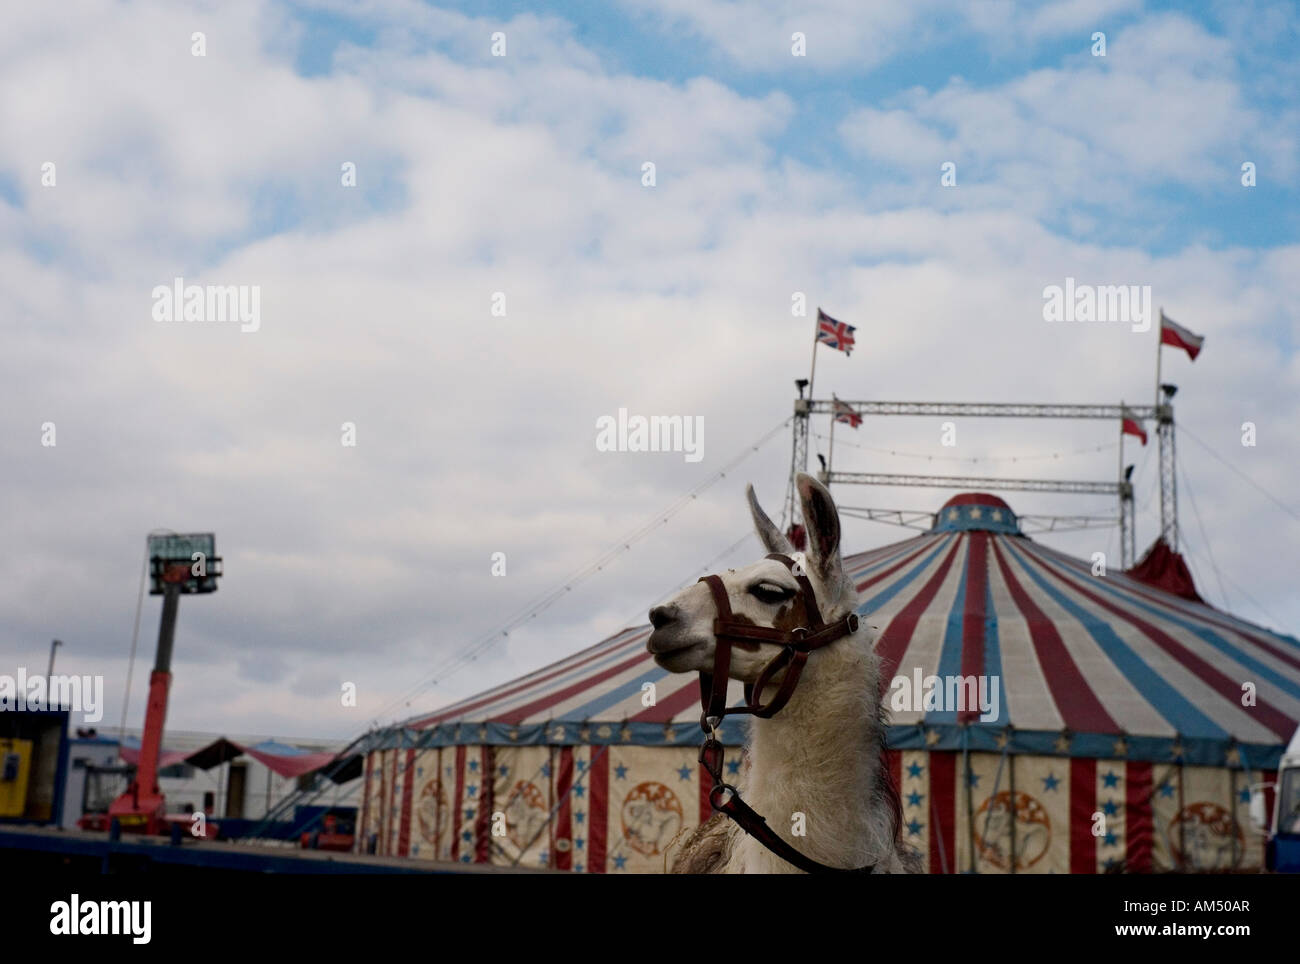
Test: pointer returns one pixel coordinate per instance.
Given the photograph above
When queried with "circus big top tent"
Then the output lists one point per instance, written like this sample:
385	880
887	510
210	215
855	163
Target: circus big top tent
1116	698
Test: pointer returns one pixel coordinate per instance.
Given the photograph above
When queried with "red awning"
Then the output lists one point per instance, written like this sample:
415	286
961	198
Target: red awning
287	761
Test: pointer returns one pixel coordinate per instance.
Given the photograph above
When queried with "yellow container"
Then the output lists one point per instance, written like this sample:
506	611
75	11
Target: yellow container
13	791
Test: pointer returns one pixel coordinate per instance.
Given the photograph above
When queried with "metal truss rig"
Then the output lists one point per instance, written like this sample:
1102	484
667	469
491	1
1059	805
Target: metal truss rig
973	482
988	409
924	521
1162	415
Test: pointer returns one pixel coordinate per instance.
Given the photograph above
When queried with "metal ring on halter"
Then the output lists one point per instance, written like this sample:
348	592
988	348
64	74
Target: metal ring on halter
717	791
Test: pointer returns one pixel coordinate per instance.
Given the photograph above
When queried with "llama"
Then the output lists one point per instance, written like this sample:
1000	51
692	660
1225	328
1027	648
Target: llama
821	754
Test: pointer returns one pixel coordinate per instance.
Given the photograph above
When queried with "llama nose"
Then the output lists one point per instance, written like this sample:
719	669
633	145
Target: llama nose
661	616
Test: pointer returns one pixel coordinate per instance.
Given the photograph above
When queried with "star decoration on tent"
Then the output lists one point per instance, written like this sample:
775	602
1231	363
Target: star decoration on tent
1050	782
975	512
1121	747
931	737
1176	751
997	515
914	828
914	799
914	769
953	514
620	772
1110	808
1003	739
1063	742
625	734
1166	789
684	772
1110	779
1245	795
1109	840
1233	757
973	779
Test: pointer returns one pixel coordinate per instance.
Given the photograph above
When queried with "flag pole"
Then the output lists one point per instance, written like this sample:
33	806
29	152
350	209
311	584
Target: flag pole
830	456
1160	340
817	323
1120	479
1121	440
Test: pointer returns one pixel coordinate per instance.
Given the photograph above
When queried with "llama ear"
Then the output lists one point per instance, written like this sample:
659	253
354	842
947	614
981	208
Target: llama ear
822	521
768	533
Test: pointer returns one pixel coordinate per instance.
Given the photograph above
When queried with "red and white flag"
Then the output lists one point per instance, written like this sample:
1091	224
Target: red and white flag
1131	424
1172	333
844	413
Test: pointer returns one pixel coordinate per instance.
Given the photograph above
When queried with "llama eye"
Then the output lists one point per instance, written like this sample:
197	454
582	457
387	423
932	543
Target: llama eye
769	593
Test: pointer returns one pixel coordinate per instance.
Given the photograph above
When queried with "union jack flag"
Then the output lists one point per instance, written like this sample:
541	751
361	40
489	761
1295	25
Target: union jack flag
845	413
834	333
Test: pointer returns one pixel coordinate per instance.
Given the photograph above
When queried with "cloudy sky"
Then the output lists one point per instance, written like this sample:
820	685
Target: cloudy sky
522	175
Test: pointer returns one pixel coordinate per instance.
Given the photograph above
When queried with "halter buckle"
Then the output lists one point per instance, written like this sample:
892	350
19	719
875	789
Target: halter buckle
851	622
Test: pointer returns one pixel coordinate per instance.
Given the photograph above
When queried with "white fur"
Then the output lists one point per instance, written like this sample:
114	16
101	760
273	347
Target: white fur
820	755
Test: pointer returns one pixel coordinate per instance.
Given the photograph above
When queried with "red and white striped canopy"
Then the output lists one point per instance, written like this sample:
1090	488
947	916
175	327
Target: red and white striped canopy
1096	666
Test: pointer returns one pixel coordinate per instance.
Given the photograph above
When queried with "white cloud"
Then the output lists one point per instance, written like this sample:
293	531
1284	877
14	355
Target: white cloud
476	434
1164	107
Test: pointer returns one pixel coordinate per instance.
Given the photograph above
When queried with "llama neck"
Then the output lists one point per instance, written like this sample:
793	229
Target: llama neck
820	757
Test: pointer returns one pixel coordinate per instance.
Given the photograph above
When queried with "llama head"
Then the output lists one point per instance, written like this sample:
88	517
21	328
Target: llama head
765	593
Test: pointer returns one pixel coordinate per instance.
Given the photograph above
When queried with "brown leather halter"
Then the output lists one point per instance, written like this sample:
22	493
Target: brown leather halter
797	644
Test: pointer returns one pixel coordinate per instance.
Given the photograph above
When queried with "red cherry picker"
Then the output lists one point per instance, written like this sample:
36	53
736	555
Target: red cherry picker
179	565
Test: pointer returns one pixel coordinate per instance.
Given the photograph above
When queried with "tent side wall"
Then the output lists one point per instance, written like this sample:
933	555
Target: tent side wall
619	808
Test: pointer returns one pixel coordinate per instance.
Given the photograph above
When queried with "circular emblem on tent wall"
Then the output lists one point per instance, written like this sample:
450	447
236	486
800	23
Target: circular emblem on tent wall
525	813
652	815
432	810
1204	835
993	822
